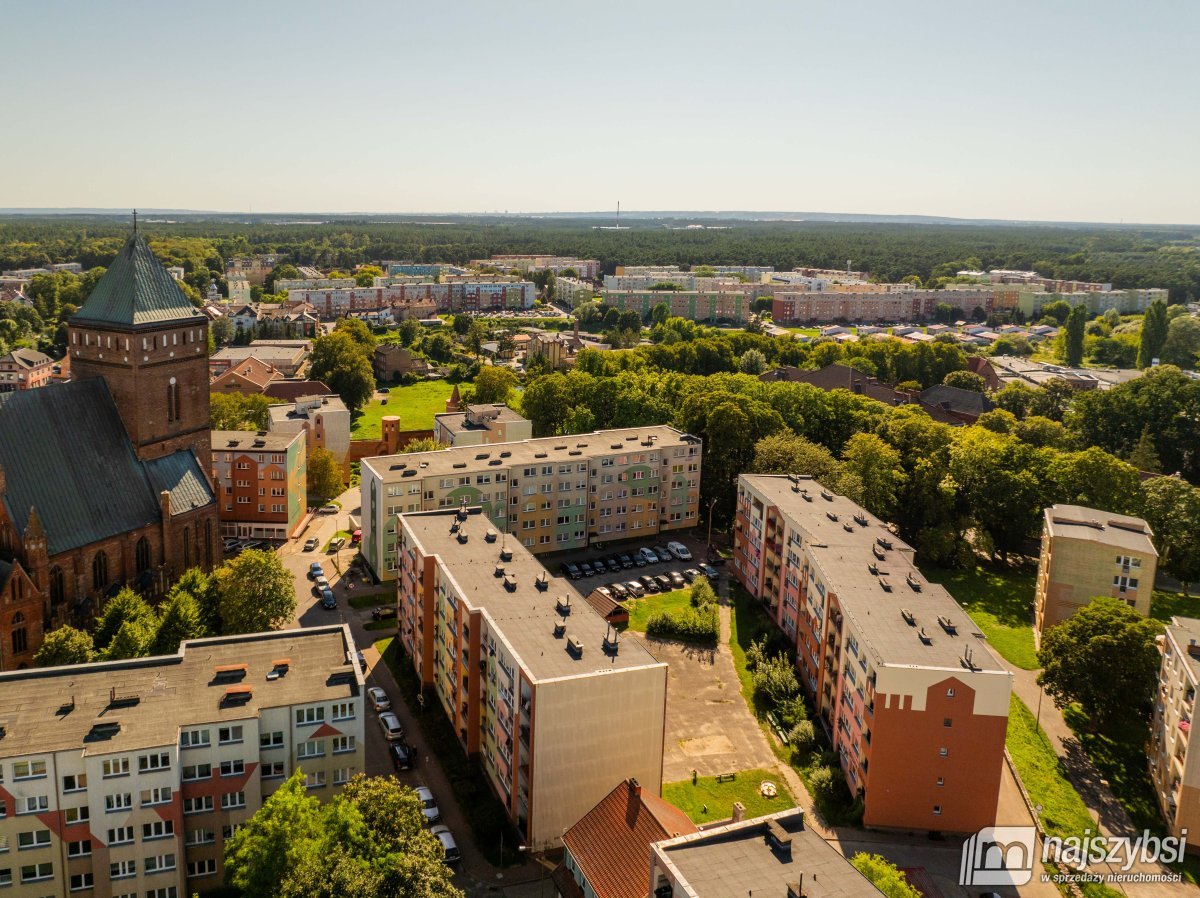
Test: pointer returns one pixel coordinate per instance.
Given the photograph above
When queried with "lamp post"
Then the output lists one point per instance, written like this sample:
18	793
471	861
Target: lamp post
711	502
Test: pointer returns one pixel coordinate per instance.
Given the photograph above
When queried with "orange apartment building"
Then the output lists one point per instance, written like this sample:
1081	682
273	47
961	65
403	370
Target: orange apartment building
261	482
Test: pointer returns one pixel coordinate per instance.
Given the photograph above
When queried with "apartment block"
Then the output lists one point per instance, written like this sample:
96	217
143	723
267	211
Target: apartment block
893	305
1174	771
261	482
537	685
481	425
588	269
1087	553
127	777
422	300
324	420
913	701
571	292
695	305
24	369
550	494
1097	302
252	268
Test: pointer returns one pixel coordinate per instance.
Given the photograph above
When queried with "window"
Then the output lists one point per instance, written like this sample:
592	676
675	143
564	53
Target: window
194	738
82	848
941	781
77	815
944	752
1128	561
343	711
75	782
57	586
206	867
200	837
343	744
306	716
159	829
1123	583
33	804
272	770
270	740
122	835
937	810
99	571
115	767
142	555
122	869
229	829
29	770
159	862
197	772
229	735
341	776
314	749
5	876
950	692
164	892
38	838
198	805
118	801
172	401
158	795
159	761
315	780
81	881
232	800
233	768
947	722
36	872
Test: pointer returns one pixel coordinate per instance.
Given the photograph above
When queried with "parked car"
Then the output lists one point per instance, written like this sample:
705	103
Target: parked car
393	731
648	555
619	592
335	545
585	569
383	611
680	551
379	699
639	560
449	846
356	537
315	570
626	560
691	574
709	571
403	756
329	509
428	806
613	565
570	569
384	390
635	588
311	543
677	581
664	583
603	590
663	554
649	583
328	602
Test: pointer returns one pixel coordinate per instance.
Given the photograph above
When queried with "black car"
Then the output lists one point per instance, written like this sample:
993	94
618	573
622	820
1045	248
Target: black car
571	570
619	592
613	564
664	582
677	580
638	560
585	569
383	611
403	756
626	560
649	583
663	553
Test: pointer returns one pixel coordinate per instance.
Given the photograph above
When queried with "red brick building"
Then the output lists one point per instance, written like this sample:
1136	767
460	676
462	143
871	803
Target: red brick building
24	369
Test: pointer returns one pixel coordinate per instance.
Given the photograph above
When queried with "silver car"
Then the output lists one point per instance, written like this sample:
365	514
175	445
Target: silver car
428	806
379	699
393	730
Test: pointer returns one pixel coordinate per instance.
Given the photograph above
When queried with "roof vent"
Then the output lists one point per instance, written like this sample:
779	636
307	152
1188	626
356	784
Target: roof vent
610	640
542	582
462	536
490	536
804	495
794	889
861	519
563	605
873	568
826	495
505	454
909	617
499	570
779	838
924	637
574	646
541	455
575	452
947	624
913	581
510	582
878	552
506	554
460	464
831	515
887	587
560	630
848	527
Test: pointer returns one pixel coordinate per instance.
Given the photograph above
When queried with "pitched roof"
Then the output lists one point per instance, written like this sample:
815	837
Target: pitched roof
65	451
27	358
611	842
136	291
252	370
956	399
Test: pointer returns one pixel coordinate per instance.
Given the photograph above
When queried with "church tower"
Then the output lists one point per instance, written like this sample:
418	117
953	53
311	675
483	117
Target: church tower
141	334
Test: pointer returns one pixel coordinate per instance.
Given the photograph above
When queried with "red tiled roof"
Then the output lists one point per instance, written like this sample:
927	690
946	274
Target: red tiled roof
611	843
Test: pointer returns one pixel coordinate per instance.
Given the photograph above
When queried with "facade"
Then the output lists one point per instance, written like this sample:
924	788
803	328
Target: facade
261	480
25	369
128	777
239	290
285	357
894	305
481	425
588	269
695	305
1175	772
391	361
550	494
555	705
1088	553
248	377
1097	302
324	420
252	268
571	292
776	856
560	349
421	300
914	703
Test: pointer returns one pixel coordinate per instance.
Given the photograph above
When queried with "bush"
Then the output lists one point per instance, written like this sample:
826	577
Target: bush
775	679
688	625
827	785
702	594
792	711
884	875
803	736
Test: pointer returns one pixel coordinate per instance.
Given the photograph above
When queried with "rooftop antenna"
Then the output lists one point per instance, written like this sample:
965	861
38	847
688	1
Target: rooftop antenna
618	215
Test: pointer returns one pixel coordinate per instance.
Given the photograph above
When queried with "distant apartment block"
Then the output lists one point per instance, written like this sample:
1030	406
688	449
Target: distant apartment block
252	268
422	300
754	273
481	425
588	269
571	292
25	369
427	270
324	420
1174	770
549	494
695	305
260	480
318	283
285	358
865	306
239	289
555	705
1087	553
1097	302
129	777
914	703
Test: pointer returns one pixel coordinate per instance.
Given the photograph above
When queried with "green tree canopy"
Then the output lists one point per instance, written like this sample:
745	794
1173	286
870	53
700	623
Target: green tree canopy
66	645
179	618
238	411
125	607
965	380
884	875
494	384
1154	334
790	453
256	593
344	365
324	475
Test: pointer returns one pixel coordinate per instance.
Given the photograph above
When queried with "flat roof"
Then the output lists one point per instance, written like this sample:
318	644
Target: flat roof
844	541
1185	632
1121	531
299	408
457	422
579	447
241	353
738	859
253	441
524	617
148	700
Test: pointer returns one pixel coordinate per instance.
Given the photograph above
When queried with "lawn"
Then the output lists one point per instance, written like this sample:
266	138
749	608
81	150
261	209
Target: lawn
1063	812
385	624
1165	605
709	800
415	404
641	610
372	599
1000	601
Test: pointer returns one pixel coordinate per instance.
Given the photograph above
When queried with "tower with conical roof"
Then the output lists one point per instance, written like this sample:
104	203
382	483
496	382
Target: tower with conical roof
141	334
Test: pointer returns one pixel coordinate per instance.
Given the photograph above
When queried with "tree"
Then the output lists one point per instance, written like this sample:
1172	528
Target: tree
1059	310
425	444
871	474
1105	659
580	419
126	606
1171	507
324	475
752	362
1182	345
133	639
999	481
660	313
965	380
1154	334
1094	479
260	855
789	453
221	331
365	275
494	384
1144	456
66	645
255	592
1073	336
884	875
201	587
237	411
344	366
356	330
179	618
408	330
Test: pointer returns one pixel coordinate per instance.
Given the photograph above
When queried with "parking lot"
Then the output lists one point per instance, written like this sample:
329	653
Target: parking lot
634	569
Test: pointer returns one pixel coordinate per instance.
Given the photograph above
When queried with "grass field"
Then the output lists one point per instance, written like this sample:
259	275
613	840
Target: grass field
641	610
1165	605
415	404
709	800
372	599
1063	812
1000	601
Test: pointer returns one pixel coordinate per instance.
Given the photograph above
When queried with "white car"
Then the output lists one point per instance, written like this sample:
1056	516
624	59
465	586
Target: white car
379	699
449	846
428	806
393	730
648	555
679	550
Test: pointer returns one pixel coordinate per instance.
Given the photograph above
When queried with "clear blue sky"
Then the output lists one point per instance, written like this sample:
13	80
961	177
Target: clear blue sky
1038	109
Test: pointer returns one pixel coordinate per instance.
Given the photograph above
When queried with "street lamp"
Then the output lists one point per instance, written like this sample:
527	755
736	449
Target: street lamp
711	502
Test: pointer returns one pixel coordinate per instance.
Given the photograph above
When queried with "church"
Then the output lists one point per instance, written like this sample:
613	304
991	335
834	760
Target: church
103	480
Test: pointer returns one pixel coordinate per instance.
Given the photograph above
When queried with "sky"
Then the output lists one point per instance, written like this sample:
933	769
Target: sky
1027	109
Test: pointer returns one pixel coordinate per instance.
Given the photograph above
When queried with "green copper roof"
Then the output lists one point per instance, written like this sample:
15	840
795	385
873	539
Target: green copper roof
136	291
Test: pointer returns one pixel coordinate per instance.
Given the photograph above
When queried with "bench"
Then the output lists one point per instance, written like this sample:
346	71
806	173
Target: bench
726	777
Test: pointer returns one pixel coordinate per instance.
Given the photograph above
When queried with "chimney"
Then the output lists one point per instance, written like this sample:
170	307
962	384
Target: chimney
164	503
635	787
739	812
576	328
